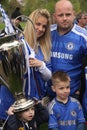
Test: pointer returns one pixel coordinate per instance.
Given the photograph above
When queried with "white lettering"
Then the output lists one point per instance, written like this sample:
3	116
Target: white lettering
62	55
67	123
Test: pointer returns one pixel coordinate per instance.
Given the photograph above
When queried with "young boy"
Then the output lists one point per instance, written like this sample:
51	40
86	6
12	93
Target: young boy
65	112
27	115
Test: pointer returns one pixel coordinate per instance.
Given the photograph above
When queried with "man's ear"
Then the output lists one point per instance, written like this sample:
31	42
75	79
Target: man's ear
53	88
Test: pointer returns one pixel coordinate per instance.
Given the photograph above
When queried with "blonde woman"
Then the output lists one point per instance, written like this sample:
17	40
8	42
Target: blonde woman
42	47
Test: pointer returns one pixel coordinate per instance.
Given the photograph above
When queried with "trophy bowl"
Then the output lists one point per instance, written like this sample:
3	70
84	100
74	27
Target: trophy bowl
12	62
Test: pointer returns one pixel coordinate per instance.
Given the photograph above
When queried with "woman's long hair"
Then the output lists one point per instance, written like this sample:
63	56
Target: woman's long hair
45	40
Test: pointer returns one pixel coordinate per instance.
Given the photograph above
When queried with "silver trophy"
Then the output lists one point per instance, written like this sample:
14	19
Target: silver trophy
13	61
12	58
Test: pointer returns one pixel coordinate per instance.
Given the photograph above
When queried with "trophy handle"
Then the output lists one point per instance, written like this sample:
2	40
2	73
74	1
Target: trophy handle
27	18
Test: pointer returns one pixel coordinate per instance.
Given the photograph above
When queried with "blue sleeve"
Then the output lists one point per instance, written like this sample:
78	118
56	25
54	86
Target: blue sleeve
80	126
81	118
84	103
53	122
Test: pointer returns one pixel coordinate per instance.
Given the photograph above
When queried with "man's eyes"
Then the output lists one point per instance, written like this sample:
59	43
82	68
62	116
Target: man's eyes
62	15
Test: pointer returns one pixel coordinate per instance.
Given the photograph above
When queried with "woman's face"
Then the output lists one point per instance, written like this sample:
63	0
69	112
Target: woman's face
40	26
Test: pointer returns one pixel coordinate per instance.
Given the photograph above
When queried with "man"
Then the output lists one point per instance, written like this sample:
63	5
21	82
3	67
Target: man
69	45
82	19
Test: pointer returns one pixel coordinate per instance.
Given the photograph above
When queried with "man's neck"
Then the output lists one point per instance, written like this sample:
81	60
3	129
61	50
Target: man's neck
63	31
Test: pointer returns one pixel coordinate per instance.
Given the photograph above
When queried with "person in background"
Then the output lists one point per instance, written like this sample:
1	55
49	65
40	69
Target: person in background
82	19
53	22
40	64
16	21
65	112
27	114
69	46
6	100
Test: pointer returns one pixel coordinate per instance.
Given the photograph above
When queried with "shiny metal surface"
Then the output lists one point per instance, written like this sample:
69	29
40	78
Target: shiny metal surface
12	62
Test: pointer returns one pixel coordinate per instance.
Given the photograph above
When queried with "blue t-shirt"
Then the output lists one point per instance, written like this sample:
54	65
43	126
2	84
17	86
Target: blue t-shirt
65	116
67	53
37	88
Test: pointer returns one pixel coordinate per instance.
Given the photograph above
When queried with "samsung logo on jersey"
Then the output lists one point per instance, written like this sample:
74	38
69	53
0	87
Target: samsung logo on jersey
62	55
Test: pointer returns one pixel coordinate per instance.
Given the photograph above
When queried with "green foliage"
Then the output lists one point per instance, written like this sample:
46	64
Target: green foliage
83	4
2	26
76	4
34	4
31	5
9	7
49	4
79	5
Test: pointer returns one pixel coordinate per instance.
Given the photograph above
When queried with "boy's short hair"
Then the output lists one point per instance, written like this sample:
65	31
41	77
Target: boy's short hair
59	76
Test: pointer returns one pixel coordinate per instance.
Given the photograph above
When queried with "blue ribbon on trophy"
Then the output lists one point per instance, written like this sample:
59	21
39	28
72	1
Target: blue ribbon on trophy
8	26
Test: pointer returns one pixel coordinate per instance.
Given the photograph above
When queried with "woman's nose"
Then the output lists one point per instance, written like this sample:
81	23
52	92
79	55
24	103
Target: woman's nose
41	28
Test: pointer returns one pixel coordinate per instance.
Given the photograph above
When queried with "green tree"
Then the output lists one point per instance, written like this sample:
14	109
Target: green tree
9	7
83	4
31	5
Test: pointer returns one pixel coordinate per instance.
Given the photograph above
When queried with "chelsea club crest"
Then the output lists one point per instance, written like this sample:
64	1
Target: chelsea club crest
70	46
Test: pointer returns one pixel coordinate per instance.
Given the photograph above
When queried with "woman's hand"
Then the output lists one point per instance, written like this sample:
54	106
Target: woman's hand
33	62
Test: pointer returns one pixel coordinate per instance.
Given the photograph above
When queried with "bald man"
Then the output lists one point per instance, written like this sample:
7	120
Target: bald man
69	45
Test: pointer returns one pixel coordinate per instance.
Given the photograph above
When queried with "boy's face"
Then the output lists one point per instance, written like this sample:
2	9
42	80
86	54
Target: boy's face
62	90
27	115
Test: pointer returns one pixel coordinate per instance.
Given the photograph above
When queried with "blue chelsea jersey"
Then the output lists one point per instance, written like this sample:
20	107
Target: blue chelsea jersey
65	116
37	88
67	53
